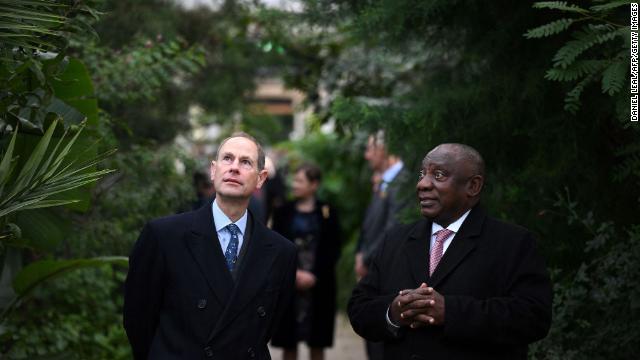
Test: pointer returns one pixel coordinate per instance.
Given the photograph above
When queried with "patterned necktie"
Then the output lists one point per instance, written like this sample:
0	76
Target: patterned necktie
438	246
231	255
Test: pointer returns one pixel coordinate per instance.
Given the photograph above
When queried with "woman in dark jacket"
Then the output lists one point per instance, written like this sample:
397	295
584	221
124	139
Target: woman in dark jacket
313	226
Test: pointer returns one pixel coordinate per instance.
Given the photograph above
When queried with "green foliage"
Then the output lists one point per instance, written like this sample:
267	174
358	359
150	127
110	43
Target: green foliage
140	70
47	172
577	61
77	316
146	186
549	29
40	24
35	92
559	5
594	305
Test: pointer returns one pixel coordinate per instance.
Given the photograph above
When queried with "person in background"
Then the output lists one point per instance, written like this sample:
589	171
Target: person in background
382	212
204	188
314	228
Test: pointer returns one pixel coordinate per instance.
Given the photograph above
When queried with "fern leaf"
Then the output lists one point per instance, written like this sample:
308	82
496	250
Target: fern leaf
614	77
559	5
572	101
610	5
576	71
584	40
549	29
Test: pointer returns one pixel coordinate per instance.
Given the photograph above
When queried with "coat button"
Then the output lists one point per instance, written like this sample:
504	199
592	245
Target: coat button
208	351
252	354
261	311
202	303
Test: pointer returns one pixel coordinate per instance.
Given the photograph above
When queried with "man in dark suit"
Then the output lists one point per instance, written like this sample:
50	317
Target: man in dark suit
382	212
457	284
211	284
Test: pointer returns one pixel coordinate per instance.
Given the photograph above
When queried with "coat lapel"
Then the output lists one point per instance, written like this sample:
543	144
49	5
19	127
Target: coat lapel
204	246
417	250
463	243
255	268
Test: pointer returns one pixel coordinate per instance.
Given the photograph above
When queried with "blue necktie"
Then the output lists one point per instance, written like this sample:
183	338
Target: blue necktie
231	255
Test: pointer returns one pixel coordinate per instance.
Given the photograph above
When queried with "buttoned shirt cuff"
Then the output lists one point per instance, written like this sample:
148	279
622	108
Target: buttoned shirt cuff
393	328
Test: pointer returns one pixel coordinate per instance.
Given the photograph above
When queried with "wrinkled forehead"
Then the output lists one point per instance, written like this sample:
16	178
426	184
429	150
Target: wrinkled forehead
240	147
440	156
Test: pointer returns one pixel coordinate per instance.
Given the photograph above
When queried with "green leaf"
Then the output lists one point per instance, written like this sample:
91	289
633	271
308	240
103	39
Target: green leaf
614	78
70	115
44	229
610	5
74	88
584	40
575	71
31	166
559	5
549	29
41	271
5	165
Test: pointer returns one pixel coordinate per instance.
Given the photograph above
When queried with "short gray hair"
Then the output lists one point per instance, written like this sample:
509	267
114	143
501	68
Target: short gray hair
242	134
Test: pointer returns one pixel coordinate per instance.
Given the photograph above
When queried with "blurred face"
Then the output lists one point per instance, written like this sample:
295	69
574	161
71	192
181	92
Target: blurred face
301	187
375	154
446	186
235	172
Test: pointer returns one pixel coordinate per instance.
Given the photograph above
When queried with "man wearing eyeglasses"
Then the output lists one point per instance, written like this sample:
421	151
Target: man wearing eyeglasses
211	283
457	284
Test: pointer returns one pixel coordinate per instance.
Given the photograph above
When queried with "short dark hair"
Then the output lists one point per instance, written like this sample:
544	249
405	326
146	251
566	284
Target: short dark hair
242	134
311	172
464	152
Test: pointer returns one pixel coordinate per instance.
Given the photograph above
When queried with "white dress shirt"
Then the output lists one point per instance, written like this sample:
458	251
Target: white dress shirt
455	227
221	221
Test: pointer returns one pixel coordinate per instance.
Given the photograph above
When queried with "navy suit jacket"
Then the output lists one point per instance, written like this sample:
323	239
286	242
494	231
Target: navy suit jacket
181	301
497	292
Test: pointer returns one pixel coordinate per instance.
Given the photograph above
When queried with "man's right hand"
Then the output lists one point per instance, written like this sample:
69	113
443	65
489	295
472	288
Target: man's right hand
305	280
417	301
360	268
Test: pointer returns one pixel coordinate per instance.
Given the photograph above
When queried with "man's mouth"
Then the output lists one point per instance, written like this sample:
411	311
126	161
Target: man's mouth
232	181
427	201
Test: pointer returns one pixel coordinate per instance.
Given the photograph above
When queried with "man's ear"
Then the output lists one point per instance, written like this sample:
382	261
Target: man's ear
262	177
474	186
212	170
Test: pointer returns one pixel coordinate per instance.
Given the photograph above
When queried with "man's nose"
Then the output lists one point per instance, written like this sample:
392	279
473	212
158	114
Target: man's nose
235	165
425	183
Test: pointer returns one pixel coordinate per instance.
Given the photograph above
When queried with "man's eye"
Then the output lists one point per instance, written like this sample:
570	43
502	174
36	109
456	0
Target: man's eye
438	175
421	175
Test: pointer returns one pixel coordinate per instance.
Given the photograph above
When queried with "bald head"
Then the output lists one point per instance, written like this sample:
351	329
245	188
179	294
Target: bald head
461	154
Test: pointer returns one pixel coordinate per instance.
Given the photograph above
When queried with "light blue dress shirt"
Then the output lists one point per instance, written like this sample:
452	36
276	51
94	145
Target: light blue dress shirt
221	221
390	174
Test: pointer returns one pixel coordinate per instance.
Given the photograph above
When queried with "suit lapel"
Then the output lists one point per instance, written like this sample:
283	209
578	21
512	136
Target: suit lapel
255	268
417	250
463	243
204	246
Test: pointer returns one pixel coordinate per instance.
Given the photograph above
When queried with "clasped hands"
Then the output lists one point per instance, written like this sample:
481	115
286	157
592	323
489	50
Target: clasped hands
418	307
305	280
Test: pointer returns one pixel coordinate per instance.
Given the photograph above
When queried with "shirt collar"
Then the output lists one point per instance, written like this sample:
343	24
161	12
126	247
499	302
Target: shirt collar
221	220
390	174
454	226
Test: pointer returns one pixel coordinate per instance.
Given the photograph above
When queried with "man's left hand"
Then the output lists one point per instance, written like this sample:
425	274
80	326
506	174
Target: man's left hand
427	310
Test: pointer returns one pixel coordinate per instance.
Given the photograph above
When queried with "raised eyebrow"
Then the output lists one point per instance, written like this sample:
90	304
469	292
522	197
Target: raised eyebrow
246	158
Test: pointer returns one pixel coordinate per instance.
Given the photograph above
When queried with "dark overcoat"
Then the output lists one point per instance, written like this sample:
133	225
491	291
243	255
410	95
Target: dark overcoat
323	294
497	292
181	301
